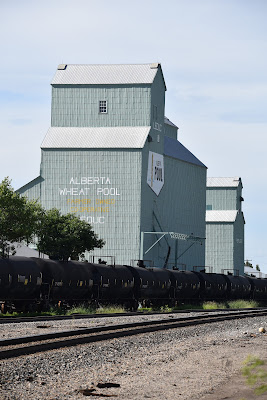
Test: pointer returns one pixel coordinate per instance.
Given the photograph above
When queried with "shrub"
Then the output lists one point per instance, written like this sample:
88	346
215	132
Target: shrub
255	374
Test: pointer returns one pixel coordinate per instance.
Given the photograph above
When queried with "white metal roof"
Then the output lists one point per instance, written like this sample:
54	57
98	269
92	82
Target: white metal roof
223	182
221	215
101	137
24	251
258	274
97	74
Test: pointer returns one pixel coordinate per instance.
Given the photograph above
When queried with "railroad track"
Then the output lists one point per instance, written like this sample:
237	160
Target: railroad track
44	318
15	347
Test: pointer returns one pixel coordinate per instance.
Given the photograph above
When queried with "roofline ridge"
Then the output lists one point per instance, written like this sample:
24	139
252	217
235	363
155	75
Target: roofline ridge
223	177
97	65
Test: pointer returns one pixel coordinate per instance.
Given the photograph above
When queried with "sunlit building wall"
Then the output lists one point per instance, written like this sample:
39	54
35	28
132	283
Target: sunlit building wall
112	158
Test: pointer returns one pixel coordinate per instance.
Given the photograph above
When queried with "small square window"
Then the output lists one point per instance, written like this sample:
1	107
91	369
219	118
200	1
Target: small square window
103	107
208	207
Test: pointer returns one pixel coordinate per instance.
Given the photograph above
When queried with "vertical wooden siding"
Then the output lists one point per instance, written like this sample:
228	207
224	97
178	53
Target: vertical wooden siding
79	105
180	207
224	198
121	227
220	246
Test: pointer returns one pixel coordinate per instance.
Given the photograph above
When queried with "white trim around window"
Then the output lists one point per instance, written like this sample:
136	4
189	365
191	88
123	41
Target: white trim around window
103	107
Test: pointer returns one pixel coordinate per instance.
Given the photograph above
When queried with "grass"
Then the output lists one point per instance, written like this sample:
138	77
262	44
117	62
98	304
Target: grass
74	310
254	370
145	309
213	305
110	309
27	314
208	305
243	304
80	310
188	306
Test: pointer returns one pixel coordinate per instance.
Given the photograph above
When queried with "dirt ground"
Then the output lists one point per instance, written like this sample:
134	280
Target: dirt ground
234	388
195	363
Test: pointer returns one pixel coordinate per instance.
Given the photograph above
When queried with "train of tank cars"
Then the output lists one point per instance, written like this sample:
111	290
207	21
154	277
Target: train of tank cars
36	284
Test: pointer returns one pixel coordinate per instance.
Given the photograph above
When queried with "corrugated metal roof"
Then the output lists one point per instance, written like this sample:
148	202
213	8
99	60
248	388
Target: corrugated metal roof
82	74
168	122
175	149
102	137
221	215
252	271
223	182
30	184
25	251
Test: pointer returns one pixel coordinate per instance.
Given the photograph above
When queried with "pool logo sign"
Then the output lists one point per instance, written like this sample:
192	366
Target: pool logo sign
155	172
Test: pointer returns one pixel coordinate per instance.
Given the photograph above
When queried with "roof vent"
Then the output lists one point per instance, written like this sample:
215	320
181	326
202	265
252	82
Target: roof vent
155	65
62	66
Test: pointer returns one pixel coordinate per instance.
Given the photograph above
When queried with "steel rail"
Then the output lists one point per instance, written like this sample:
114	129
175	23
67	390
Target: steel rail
45	342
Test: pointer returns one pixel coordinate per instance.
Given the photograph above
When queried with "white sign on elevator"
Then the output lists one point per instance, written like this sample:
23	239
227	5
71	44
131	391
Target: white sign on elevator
155	172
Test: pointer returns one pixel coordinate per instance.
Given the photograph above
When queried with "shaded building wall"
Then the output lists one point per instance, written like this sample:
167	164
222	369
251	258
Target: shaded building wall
170	131
239	240
157	114
180	207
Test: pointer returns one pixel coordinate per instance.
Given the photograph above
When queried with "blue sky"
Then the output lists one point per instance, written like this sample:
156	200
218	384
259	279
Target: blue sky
214	59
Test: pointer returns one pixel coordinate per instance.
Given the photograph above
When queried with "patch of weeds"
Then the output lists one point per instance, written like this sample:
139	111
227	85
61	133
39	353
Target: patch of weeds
27	314
81	310
255	374
110	310
213	305
165	308
145	309
188	307
243	304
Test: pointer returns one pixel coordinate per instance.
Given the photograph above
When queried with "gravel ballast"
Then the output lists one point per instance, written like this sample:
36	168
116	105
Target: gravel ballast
187	363
12	330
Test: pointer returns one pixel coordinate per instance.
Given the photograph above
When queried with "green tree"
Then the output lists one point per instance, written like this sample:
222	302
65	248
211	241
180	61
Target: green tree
66	236
20	218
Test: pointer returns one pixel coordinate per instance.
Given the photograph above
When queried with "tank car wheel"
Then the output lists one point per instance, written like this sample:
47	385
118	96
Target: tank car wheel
61	306
31	308
171	303
134	306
